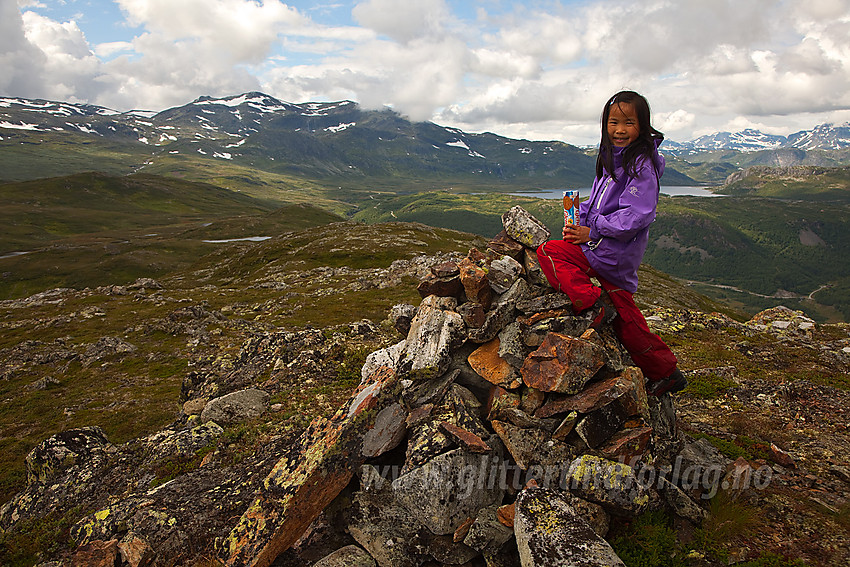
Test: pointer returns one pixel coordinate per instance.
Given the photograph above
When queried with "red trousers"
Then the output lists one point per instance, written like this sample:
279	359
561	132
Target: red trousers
568	270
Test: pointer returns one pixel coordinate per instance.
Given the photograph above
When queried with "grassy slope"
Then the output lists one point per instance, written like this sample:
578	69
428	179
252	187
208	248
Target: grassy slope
49	209
40	155
90	229
135	394
815	184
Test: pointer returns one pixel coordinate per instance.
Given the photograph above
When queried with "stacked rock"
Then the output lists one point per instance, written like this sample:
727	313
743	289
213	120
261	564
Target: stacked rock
503	429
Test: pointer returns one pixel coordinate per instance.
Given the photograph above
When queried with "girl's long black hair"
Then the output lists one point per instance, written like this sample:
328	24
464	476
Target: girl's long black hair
643	146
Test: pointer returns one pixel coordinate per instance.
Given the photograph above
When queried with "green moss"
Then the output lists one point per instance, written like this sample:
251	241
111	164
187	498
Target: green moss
728	448
33	539
708	386
650	541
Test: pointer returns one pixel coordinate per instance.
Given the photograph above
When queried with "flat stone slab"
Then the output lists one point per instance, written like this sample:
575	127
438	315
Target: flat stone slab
448	489
562	364
487	363
550	533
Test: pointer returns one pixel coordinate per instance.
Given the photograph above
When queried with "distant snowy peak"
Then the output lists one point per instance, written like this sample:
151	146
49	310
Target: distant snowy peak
57	109
823	137
744	141
264	103
222	124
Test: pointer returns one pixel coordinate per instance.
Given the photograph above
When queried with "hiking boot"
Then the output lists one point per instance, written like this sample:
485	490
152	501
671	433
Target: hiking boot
603	311
676	382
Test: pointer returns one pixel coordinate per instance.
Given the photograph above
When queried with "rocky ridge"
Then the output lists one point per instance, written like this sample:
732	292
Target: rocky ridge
456	448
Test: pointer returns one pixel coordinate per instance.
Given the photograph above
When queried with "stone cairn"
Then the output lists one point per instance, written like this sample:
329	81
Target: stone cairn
501	431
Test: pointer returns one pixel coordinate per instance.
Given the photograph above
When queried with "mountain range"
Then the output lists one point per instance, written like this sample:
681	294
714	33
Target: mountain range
313	139
821	137
332	139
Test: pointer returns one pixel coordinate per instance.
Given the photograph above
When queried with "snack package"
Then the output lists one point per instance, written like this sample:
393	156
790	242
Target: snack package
571	207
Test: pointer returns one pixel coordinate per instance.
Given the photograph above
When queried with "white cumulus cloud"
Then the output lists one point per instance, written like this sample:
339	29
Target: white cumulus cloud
539	70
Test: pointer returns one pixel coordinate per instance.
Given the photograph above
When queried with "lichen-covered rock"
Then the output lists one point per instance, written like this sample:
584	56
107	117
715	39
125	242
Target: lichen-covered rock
521	226
599	425
473	314
58	452
522	444
476	286
427	437
627	445
184	442
487	532
595	515
547	302
300	486
610	484
394	536
600	393
401	315
387	357
106	346
504	245
783	322
667	442
387	530
521	419
511	347
680	502
503	272
534	273
550	533
501	314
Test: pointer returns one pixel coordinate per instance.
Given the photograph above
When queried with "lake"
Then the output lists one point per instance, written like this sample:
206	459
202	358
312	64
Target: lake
672	190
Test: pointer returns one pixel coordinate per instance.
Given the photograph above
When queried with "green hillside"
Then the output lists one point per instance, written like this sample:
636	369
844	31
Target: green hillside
715	166
812	183
775	251
52	154
88	230
47	209
763	246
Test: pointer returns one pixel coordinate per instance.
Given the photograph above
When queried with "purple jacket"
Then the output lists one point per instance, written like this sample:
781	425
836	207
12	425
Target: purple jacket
619	214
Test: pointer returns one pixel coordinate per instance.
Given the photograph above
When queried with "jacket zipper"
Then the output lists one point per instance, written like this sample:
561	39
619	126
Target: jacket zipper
602	194
593	245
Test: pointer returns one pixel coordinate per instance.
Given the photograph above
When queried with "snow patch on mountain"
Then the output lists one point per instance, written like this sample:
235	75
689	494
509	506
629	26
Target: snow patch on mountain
824	136
340	127
21	126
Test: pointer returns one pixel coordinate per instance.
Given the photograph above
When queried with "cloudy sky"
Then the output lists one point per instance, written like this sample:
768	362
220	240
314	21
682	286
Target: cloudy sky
536	69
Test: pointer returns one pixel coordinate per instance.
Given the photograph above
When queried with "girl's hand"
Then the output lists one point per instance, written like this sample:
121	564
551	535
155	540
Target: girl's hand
576	234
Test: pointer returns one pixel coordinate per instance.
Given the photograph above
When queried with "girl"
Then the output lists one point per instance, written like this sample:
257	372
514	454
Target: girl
611	238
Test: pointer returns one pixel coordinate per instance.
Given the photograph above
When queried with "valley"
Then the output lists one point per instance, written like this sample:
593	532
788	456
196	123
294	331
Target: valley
151	258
